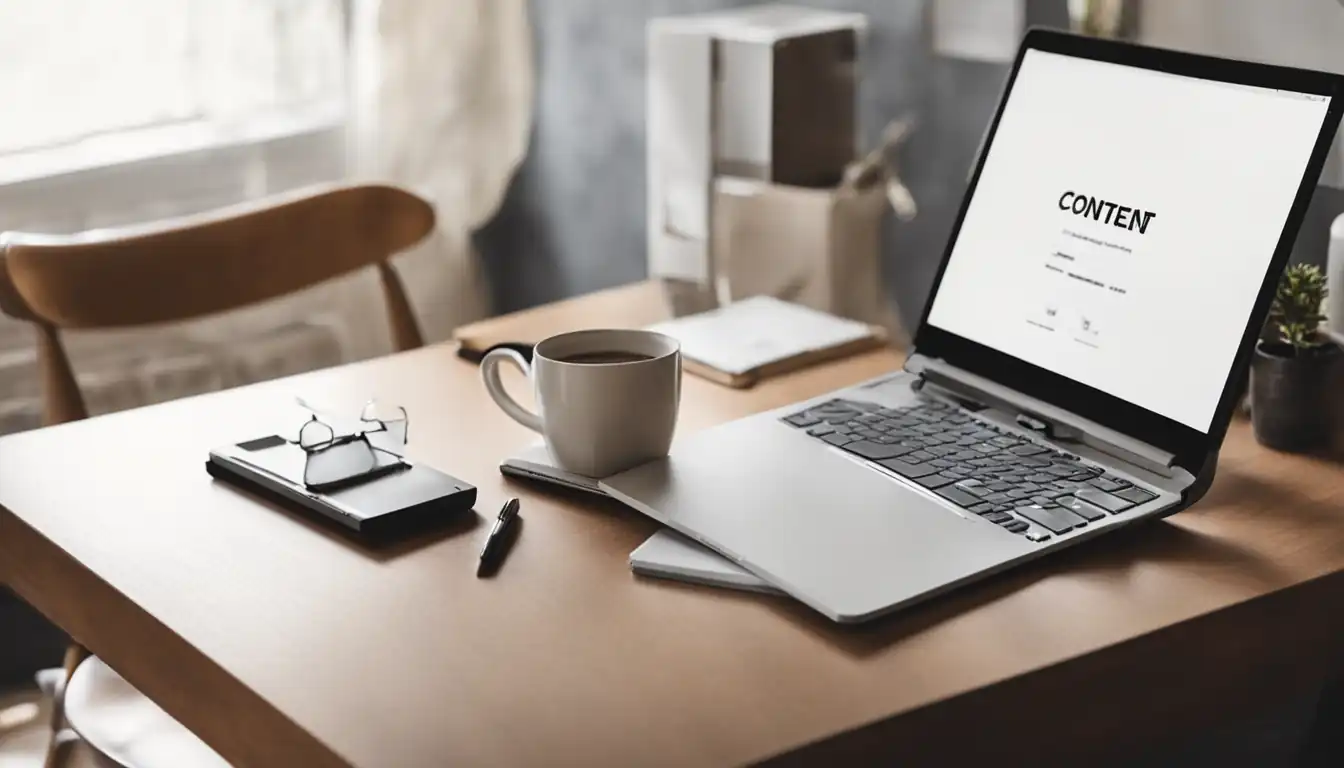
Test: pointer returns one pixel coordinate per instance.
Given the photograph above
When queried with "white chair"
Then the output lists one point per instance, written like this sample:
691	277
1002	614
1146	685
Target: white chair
122	727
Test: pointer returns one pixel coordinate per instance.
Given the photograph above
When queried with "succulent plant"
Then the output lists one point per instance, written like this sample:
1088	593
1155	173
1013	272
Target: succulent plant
1297	311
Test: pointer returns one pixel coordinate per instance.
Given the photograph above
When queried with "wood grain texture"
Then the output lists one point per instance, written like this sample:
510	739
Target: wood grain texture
198	265
281	642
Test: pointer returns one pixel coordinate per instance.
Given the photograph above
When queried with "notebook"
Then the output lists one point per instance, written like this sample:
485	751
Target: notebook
737	345
666	554
749	340
669	555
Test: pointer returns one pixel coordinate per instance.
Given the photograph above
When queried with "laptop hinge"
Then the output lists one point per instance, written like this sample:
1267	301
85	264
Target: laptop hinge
1037	415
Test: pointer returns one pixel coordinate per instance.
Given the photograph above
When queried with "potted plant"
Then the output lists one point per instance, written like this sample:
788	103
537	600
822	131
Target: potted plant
1293	374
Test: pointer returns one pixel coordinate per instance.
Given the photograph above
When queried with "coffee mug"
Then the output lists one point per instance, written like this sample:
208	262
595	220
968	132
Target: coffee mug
608	399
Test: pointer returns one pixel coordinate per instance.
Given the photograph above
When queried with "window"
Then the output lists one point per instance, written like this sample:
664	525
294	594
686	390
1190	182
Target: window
76	71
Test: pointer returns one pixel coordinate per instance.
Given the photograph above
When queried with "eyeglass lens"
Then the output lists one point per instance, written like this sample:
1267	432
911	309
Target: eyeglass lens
388	425
341	461
315	433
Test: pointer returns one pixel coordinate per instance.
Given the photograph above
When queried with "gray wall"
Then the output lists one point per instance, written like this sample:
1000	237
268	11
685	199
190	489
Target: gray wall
573	220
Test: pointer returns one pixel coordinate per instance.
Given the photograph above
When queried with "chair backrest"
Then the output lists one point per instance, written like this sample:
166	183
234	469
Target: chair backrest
198	265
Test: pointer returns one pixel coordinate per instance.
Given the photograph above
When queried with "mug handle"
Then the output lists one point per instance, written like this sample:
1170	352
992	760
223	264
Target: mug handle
493	385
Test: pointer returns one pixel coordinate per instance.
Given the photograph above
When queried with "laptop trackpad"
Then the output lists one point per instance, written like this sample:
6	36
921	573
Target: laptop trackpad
841	536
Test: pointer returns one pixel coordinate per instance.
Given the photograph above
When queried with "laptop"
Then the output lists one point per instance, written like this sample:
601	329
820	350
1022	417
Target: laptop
1086	340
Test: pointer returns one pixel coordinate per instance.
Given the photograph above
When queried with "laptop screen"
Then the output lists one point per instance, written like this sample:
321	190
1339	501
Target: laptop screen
1122	226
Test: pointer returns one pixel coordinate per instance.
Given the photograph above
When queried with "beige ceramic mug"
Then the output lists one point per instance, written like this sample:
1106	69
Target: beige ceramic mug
608	399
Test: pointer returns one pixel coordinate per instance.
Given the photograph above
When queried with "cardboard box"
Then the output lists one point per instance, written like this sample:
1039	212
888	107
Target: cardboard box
766	93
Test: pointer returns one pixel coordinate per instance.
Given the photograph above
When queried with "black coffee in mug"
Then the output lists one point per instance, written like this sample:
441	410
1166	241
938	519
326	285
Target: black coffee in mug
604	358
607	399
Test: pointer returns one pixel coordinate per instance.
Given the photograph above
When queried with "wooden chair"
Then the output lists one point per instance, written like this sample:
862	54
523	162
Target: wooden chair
199	265
176	270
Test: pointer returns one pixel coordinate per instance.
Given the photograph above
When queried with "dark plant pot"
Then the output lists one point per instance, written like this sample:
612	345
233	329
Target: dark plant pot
1293	397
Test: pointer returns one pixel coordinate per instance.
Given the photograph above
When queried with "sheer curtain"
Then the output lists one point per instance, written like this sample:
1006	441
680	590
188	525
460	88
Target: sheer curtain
441	102
89	68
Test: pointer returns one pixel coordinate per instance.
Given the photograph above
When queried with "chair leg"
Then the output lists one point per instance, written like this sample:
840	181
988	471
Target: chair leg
62	746
58	748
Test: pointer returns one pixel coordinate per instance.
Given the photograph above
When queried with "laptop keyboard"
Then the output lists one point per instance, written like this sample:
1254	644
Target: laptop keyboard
1025	487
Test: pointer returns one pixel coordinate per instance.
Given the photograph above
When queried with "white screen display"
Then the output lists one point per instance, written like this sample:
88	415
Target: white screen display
1122	225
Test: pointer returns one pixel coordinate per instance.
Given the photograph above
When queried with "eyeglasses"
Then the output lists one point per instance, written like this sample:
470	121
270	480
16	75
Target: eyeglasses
334	460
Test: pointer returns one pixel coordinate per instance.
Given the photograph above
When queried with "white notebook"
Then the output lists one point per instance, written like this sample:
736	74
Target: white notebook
669	555
763	336
666	554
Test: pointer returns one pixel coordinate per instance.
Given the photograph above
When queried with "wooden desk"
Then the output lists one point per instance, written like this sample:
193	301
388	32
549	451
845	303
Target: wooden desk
283	644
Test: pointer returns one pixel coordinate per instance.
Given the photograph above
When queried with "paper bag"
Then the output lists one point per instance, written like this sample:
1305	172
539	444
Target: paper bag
817	247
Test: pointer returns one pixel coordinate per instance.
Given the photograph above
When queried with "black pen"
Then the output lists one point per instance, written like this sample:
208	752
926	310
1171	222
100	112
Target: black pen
494	544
